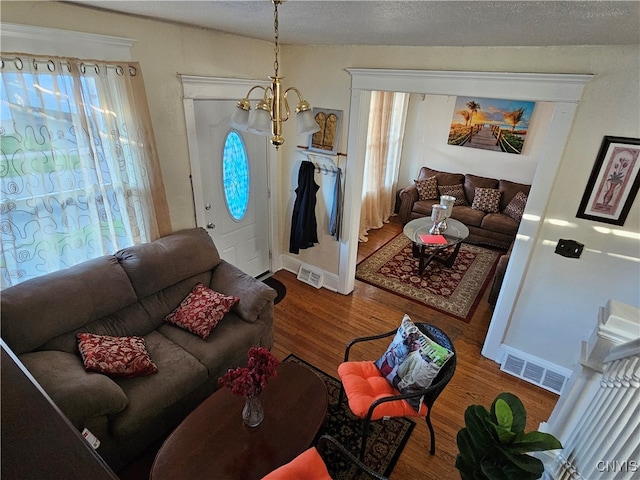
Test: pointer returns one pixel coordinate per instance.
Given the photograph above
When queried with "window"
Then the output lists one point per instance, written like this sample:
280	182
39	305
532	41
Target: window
77	164
235	175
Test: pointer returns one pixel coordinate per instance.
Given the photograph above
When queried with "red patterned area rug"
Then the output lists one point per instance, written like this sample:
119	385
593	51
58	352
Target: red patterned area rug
455	291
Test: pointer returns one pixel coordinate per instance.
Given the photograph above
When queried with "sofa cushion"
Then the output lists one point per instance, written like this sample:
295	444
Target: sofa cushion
471	182
468	215
454	191
427	188
178	375
509	190
201	310
443	178
133	320
79	394
500	223
486	199
253	295
226	347
45	307
516	207
115	356
168	260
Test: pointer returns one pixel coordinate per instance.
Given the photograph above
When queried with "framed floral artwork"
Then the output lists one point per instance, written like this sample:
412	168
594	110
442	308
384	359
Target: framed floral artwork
614	181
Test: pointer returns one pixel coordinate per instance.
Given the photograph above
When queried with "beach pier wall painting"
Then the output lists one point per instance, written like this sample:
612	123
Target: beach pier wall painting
490	124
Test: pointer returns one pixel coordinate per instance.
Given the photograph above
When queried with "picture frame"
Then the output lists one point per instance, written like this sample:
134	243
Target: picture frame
613	183
493	124
330	123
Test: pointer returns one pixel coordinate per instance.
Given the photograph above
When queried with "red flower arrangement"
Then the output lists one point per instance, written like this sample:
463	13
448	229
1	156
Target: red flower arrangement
250	380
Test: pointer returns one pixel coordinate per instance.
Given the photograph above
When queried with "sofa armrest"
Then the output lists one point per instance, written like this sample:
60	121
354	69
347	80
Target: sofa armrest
79	394
408	196
501	268
254	295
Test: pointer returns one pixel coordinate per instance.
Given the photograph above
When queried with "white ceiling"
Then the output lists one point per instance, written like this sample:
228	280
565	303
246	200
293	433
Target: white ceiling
404	22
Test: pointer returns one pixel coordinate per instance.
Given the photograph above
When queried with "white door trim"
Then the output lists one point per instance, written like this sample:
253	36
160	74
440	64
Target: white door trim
564	90
222	88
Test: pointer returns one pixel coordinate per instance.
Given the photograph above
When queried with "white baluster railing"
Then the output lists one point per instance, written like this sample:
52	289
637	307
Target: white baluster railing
598	421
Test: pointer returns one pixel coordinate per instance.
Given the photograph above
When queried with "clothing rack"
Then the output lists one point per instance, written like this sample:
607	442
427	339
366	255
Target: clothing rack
325	164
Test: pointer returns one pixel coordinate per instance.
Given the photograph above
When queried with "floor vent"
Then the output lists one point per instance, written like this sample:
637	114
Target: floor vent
534	373
311	276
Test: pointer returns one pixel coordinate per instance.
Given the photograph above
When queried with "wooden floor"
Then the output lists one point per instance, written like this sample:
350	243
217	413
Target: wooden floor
317	324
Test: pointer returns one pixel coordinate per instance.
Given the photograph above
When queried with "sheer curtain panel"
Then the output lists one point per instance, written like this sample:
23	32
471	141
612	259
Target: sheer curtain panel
387	117
79	171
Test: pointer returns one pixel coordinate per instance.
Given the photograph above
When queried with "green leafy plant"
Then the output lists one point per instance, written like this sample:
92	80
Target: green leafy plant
493	445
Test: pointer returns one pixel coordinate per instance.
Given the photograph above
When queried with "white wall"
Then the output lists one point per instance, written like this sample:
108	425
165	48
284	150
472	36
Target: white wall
425	144
558	304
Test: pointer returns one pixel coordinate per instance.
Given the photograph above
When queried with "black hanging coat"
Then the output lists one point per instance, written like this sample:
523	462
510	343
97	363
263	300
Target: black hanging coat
304	229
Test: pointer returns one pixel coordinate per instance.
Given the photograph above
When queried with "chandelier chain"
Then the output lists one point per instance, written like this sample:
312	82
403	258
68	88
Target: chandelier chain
276	64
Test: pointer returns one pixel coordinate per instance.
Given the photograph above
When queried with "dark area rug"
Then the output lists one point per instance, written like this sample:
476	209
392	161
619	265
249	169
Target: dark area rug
278	286
385	442
455	291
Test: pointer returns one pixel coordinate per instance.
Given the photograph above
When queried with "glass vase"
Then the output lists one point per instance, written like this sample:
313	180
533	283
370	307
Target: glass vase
252	413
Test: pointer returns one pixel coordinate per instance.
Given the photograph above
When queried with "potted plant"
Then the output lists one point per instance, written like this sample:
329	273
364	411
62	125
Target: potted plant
493	445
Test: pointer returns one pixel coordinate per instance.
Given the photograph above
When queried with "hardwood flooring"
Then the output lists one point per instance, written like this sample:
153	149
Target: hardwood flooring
317	324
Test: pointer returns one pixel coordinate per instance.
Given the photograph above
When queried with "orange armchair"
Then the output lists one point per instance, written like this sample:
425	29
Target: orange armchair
309	465
371	397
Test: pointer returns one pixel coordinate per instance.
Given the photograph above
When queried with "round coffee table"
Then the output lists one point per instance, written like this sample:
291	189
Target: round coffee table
426	252
213	442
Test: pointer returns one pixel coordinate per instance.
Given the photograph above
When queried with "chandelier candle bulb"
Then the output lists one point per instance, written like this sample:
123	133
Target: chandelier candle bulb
269	114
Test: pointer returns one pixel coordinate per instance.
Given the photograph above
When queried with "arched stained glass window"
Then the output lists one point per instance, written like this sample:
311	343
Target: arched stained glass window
235	175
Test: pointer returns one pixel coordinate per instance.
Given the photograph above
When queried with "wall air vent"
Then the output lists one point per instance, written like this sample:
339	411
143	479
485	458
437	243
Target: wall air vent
534	372
513	365
309	275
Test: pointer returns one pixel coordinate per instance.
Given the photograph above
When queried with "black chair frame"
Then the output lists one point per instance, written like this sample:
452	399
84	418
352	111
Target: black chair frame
429	394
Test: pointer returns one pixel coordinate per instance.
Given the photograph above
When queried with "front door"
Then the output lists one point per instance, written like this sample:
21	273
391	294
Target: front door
232	192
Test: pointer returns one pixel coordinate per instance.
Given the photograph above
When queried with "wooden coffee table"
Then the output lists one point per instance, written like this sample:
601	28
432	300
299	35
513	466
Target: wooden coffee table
213	442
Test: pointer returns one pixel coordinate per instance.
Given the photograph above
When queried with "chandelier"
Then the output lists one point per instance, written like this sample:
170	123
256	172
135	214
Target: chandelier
270	112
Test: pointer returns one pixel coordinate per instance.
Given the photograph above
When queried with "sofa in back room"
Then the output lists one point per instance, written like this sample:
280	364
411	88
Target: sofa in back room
492	213
130	294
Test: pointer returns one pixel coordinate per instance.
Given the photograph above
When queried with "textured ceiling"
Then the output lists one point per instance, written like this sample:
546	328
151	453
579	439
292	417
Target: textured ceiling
419	23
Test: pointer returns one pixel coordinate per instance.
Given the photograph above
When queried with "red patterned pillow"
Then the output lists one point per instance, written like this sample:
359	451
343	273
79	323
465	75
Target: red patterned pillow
515	209
201	310
454	191
427	188
117	356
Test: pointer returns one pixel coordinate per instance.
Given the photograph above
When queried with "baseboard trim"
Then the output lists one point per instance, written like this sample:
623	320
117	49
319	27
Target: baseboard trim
330	280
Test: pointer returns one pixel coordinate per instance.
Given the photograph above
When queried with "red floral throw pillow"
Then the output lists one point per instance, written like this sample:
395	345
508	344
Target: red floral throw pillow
201	310
117	356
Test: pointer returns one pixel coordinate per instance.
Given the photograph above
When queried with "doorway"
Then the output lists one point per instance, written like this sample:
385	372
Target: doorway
563	90
239	234
233	177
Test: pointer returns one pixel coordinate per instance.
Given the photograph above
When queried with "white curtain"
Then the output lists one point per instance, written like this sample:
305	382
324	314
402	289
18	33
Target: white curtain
387	117
79	173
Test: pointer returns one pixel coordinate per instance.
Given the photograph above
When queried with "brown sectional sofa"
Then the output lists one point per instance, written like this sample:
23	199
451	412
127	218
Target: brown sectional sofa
496	229
126	294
